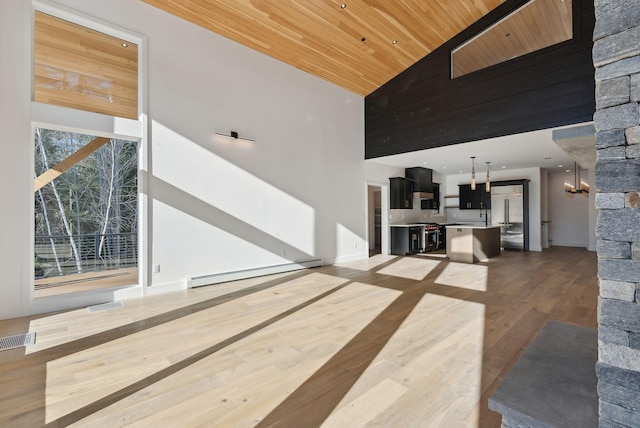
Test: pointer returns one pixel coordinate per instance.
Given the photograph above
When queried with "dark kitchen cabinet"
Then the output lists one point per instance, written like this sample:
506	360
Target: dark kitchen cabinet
474	199
400	193
432	204
442	243
406	240
421	178
464	196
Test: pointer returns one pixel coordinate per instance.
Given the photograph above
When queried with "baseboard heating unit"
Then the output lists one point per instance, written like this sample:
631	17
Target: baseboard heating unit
199	281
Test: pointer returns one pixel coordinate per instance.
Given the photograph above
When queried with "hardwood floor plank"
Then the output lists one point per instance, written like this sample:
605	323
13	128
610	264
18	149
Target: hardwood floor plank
387	341
366	407
269	355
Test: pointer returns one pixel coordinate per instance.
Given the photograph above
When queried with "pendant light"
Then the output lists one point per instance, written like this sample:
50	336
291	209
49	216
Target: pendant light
473	173
487	184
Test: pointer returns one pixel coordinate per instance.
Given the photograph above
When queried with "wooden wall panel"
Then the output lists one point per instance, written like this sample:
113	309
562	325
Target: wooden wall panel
84	69
424	108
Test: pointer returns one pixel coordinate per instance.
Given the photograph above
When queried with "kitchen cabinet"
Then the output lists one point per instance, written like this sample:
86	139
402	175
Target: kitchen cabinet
421	178
432	204
442	244
400	193
406	239
474	199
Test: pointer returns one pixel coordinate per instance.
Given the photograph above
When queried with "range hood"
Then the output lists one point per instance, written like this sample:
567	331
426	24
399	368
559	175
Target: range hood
422	182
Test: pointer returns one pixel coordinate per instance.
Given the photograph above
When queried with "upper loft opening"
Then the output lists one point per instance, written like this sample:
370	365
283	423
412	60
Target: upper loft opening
534	26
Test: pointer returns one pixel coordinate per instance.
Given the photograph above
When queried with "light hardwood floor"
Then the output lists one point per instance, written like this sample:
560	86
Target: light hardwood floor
389	342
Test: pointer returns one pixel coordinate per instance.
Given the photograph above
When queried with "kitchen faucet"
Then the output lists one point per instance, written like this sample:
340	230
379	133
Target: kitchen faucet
486	216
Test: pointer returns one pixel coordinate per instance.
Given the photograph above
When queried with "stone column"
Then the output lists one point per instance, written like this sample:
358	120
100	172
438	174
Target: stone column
616	56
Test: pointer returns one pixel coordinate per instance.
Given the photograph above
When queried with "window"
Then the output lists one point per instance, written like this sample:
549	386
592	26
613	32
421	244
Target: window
536	25
84	69
86	199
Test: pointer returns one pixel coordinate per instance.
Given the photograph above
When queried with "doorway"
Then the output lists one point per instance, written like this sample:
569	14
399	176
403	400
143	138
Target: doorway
375	219
86	212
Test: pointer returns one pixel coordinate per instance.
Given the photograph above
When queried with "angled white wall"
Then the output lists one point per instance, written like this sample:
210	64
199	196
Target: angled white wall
215	204
570	223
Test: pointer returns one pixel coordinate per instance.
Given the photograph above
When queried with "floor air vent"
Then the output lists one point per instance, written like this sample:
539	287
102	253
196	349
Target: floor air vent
17	341
105	306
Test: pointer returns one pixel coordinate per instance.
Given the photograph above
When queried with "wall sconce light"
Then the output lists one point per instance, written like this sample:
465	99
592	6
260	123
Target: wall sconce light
234	135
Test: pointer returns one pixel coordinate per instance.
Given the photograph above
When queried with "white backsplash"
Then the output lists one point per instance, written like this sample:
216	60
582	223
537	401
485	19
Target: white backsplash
416	215
455	215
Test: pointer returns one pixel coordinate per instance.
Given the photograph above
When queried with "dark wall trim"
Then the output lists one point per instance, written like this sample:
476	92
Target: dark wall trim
424	108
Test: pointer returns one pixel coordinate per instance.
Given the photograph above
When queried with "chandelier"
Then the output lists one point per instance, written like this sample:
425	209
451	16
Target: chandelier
579	185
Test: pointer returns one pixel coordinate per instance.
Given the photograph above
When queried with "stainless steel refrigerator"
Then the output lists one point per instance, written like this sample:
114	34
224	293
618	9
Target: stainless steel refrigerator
507	211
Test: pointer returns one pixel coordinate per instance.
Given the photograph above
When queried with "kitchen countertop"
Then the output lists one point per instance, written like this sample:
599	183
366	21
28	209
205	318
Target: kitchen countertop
472	226
459	225
425	223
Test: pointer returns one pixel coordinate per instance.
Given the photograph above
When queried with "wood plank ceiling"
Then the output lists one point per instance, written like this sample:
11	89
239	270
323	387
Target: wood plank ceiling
356	44
536	25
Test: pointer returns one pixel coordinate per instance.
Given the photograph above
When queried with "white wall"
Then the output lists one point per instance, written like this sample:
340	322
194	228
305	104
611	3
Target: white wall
15	162
473	216
570	223
215	205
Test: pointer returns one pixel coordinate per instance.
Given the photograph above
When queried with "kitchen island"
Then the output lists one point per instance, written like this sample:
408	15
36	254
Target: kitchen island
471	244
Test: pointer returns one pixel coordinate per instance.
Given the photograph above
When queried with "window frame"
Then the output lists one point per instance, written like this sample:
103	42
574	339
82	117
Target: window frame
79	121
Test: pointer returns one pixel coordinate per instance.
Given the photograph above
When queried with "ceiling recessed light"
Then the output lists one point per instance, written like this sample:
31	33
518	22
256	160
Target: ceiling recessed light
343	6
394	42
567	170
559	166
504	166
124	45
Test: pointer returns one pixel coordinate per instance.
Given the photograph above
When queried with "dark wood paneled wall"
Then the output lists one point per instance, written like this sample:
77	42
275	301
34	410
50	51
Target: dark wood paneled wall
424	108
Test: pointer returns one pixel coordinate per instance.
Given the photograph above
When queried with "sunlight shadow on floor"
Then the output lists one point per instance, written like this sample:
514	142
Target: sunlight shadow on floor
464	275
282	355
368	263
410	268
429	371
